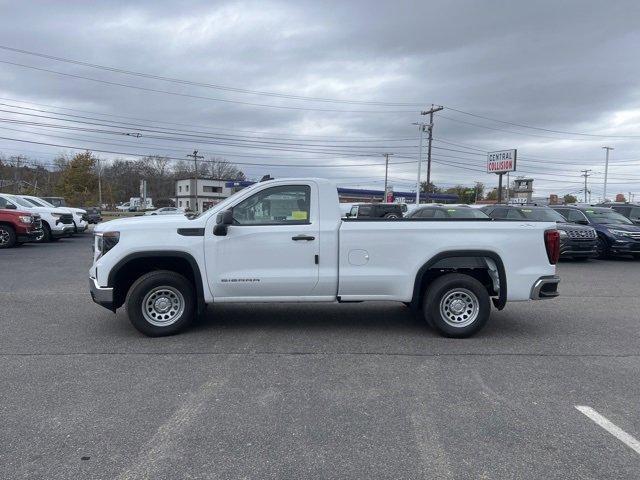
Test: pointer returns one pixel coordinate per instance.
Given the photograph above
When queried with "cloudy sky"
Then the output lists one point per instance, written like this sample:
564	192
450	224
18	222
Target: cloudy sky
325	88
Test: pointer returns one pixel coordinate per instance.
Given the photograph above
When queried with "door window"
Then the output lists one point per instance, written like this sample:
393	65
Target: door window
499	213
635	214
3	202
514	214
285	205
364	210
425	213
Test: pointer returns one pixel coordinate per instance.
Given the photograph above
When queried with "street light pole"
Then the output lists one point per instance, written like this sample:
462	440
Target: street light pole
606	171
386	174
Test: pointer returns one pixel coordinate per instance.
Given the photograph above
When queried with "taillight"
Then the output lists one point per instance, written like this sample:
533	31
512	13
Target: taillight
552	244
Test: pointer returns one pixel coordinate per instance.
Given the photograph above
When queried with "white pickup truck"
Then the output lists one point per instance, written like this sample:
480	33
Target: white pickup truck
284	241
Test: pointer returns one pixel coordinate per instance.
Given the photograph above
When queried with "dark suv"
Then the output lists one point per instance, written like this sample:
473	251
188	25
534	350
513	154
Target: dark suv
617	235
629	210
376	210
576	241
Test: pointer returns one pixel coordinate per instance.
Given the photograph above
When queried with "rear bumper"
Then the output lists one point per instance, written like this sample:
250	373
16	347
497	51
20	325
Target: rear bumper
545	287
101	295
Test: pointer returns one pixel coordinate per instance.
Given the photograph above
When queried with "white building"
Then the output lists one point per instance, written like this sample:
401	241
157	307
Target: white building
210	192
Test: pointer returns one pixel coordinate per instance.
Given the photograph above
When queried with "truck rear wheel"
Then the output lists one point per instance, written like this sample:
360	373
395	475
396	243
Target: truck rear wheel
161	303
7	236
457	305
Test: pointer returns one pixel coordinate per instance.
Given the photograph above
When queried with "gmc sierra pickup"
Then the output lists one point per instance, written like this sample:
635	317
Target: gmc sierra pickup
284	241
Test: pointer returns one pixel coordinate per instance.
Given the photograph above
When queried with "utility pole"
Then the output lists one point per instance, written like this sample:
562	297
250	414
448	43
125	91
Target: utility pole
606	171
585	174
386	173
430	112
16	176
195	157
421	127
99	184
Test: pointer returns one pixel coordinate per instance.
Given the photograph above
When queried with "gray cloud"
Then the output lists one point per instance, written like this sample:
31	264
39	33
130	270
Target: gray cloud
569	66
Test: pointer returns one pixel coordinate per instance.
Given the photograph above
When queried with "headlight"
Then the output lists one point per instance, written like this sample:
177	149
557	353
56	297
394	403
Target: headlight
26	218
621	233
106	241
563	234
56	215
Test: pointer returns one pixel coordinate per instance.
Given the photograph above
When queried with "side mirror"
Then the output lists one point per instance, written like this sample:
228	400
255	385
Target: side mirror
223	220
10	206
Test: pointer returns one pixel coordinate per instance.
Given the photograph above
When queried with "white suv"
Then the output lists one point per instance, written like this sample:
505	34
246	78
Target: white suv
79	222
56	223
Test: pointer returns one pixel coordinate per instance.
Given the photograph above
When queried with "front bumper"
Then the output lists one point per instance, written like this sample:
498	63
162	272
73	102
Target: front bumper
101	295
624	247
29	236
62	230
578	248
545	287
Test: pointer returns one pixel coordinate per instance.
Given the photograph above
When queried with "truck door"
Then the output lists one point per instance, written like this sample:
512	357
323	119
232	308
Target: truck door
270	249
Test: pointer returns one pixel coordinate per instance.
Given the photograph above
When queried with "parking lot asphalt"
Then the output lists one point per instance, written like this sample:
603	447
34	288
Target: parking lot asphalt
314	391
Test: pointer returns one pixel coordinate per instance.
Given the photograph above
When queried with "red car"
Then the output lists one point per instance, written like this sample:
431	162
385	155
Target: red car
18	227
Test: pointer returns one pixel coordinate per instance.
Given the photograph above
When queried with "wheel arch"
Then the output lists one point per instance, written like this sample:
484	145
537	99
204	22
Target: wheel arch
471	262
130	268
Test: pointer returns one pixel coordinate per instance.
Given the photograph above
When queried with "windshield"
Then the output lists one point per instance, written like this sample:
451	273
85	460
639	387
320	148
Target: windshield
23	202
464	213
223	204
37	203
607	215
541	215
43	203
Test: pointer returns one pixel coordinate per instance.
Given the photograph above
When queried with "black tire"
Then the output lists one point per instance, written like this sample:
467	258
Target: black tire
7	236
161	281
636	256
46	234
602	250
580	259
462	288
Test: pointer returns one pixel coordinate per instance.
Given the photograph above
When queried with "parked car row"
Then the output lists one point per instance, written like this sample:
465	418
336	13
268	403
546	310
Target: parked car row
25	218
586	231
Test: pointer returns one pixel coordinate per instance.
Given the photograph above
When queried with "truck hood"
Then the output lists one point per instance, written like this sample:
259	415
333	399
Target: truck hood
131	223
573	226
47	210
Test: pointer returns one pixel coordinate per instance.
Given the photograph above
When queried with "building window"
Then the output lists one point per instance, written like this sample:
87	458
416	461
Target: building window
187	203
211	189
186	188
180	189
180	203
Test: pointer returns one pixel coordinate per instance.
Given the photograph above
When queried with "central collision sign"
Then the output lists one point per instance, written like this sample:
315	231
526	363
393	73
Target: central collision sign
502	162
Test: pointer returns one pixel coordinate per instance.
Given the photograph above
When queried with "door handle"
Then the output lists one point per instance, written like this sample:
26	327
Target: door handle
303	237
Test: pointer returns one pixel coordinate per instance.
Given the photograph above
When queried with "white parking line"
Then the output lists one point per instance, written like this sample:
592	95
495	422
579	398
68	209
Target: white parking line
613	429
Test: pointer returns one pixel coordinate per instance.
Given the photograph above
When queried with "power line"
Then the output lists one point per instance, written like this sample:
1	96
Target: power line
207	85
563	132
199	97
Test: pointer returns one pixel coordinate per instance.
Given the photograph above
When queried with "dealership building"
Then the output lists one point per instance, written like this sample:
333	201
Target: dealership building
214	190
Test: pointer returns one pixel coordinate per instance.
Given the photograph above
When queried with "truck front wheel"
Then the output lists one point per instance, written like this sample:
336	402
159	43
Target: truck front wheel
161	303
457	305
